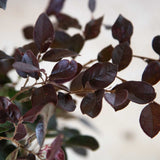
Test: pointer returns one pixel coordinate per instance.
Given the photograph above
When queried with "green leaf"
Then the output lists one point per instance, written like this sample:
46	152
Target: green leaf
5	127
13	155
83	141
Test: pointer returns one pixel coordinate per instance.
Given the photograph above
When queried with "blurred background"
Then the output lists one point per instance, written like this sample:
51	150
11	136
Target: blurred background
119	133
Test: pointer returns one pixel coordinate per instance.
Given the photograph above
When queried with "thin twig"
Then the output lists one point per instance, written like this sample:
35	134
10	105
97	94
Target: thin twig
144	58
89	62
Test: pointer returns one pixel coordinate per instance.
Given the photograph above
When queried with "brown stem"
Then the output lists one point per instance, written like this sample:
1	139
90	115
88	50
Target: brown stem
89	62
123	80
144	58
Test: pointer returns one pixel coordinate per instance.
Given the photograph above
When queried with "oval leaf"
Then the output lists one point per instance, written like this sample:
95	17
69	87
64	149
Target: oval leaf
156	44
139	92
40	133
43	33
92	5
122	55
100	75
122	29
151	73
150	119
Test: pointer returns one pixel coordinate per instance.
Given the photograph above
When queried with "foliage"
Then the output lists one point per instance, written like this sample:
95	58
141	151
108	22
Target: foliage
29	115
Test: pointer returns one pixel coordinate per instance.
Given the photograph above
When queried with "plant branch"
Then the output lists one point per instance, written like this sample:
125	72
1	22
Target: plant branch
144	58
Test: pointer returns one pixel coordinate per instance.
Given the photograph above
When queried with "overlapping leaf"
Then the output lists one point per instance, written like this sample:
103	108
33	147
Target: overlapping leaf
65	21
43	32
122	29
100	75
66	102
118	100
138	92
92	28
122	55
65	70
55	6
151	73
150	119
156	44
92	103
57	54
105	54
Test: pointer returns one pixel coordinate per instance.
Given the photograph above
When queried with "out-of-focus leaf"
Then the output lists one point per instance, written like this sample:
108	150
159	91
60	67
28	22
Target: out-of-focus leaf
4	56
28	32
21	132
66	102
92	5
83	141
57	54
138	92
156	44
92	28
3	4
5	127
150	119
6	66
100	75
81	151
52	123
43	33
65	21
13	155
4	79
151	73
64	71
122	29
122	55
40	133
54	6
117	100
105	54
92	103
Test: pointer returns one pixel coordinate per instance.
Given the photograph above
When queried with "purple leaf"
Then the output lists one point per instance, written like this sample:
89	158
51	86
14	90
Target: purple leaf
92	5
57	54
92	103
100	75
55	6
20	132
92	28
122	55
43	33
64	71
117	100
150	119
122	29
66	102
156	44
28	32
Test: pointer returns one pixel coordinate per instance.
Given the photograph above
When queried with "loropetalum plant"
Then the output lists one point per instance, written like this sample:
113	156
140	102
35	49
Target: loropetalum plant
30	114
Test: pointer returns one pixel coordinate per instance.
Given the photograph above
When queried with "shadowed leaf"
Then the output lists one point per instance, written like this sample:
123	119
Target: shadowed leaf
13	155
156	44
5	126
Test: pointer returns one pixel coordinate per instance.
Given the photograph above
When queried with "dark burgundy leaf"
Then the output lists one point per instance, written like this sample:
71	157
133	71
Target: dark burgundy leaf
122	29
92	103
118	100
55	6
3	4
83	141
6	66
66	102
61	40
4	56
150	119
122	55
139	92
92	5
3	116
20	132
105	54
65	70
156	44
92	28
55	147
65	21
28	32
40	133
100	75
76	43
43	33
151	73
57	54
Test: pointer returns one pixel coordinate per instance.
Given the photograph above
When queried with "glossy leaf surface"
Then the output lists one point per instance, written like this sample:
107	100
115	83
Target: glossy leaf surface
122	55
43	33
92	28
150	119
122	29
100	75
